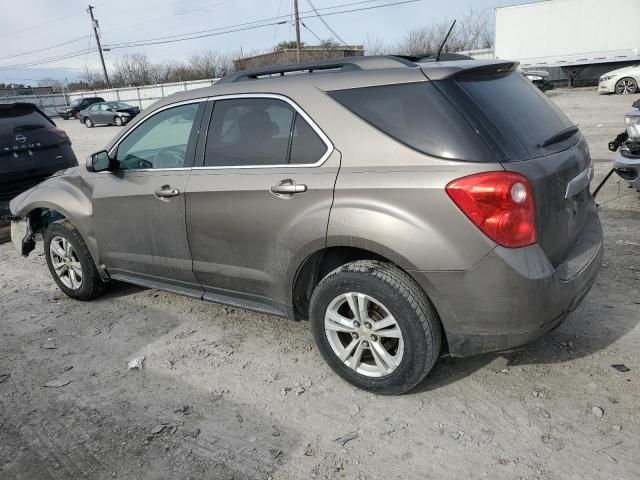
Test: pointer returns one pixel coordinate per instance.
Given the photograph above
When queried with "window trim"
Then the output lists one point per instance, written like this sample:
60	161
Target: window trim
115	146
297	109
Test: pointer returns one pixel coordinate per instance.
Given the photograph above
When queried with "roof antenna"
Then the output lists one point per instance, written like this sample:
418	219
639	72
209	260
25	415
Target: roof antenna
445	41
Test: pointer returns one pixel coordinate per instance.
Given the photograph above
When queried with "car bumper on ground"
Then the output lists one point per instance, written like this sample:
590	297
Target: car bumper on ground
628	169
513	296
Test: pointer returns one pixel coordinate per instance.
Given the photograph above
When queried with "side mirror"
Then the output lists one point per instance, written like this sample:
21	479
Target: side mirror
98	162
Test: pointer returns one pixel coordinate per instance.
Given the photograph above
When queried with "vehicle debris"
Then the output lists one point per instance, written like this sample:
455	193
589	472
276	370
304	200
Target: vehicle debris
158	429
346	438
136	363
621	367
4	377
597	411
50	344
57	383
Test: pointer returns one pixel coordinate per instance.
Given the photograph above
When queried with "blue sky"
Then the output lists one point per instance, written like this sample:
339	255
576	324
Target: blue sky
53	22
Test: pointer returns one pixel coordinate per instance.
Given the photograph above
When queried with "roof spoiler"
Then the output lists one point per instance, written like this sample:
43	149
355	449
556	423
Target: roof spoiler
476	69
347	64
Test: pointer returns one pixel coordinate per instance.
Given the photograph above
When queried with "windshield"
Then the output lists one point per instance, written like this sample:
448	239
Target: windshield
76	102
118	105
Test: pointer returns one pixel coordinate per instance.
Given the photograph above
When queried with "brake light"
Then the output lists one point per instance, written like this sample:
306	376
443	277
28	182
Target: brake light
59	132
500	204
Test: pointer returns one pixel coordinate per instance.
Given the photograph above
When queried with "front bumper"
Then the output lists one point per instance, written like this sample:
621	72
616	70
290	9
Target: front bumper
608	86
628	169
513	296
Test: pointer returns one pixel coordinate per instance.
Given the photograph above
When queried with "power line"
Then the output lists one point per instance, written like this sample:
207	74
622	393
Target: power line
311	31
326	24
50	21
282	18
246	26
46	48
41	62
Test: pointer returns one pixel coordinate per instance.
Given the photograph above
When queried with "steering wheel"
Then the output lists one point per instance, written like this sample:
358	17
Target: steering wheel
170	157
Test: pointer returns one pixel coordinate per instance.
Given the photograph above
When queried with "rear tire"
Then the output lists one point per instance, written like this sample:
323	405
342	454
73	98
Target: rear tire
395	336
70	262
626	86
88	122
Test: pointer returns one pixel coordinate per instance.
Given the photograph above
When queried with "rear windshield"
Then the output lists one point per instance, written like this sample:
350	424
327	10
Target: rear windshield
511	113
481	119
16	119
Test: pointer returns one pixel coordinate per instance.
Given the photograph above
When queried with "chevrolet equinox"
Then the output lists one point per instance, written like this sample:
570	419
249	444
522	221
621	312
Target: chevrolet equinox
405	206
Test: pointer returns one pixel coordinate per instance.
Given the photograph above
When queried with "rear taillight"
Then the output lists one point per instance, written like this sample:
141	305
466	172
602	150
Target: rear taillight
500	204
59	132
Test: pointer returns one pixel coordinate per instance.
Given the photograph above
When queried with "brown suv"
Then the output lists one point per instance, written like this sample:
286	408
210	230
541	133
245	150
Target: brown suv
404	206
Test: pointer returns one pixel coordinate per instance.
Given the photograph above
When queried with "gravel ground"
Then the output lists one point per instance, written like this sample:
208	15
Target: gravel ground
226	393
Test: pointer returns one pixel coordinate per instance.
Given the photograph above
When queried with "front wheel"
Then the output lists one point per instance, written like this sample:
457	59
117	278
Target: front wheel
70	262
375	327
118	121
626	86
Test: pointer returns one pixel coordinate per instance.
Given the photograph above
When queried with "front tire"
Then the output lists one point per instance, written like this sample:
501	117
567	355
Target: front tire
626	86
70	262
117	121
375	327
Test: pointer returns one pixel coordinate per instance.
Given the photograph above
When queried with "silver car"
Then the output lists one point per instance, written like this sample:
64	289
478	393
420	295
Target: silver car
405	207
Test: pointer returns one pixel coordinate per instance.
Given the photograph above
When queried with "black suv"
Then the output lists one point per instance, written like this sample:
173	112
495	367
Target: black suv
76	105
31	149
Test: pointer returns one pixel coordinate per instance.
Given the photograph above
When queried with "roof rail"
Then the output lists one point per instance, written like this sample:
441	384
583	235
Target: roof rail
347	64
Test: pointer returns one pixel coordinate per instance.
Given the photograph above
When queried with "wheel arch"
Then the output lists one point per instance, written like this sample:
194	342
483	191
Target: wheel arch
319	263
47	203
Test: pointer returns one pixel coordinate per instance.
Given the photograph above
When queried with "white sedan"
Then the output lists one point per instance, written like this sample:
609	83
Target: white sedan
623	81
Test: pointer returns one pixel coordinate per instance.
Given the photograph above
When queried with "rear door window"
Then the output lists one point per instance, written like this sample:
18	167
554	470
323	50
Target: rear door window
419	116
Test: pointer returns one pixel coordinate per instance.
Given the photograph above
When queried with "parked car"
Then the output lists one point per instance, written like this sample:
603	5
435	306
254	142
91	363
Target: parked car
108	113
626	161
74	108
32	148
623	81
401	205
539	79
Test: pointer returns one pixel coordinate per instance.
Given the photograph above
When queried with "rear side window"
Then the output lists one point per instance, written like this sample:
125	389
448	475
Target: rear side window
18	119
260	132
511	113
419	116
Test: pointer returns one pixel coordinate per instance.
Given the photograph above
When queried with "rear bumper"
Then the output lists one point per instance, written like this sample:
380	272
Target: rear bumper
513	296
628	169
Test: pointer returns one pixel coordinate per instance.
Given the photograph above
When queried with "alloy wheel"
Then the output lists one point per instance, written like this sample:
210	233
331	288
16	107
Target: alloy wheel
363	334
626	86
65	262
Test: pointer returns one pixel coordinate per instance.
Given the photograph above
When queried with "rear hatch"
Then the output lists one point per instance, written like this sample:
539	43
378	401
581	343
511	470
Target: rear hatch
528	134
31	148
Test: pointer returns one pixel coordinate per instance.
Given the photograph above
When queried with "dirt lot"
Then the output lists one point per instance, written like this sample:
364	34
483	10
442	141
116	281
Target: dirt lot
227	393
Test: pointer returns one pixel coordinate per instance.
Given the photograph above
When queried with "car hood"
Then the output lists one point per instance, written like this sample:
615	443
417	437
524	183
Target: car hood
632	70
129	110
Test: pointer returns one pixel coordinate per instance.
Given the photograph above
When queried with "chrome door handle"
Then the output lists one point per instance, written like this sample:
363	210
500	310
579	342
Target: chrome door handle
166	191
288	187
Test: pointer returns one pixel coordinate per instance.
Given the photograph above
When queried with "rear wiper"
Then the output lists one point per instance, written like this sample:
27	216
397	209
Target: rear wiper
561	135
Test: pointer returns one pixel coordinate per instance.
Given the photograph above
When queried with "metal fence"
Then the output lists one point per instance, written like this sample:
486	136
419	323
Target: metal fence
139	96
143	96
49	104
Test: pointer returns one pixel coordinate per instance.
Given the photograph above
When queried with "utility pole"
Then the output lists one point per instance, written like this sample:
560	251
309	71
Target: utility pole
295	6
94	24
